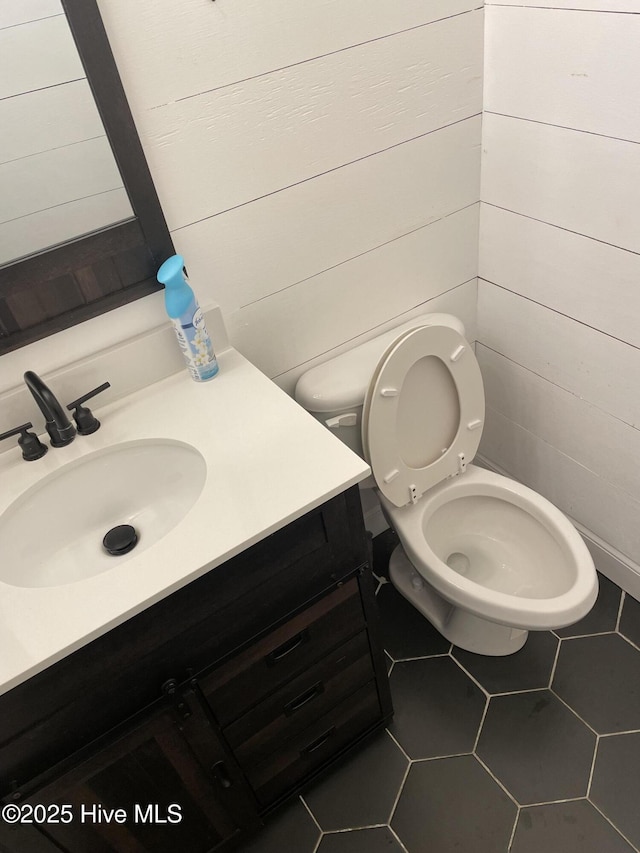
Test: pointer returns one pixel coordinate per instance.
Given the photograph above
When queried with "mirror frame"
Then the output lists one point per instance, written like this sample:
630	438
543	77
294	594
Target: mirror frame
66	284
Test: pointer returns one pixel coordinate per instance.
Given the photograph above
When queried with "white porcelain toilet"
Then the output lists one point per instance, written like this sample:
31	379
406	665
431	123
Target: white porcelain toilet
484	558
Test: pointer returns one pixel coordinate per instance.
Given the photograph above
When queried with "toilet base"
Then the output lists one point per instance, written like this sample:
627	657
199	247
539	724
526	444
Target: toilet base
462	628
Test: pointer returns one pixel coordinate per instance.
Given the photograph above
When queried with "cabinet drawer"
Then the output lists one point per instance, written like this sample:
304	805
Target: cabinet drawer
295	706
267	664
309	749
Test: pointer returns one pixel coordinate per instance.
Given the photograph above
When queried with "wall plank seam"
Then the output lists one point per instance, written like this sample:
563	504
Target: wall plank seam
561	126
559	313
394	320
562	388
559	227
348	260
320	56
567	456
522	5
321	174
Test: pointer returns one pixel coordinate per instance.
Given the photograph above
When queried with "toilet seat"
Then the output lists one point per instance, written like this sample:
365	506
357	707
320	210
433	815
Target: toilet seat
423	413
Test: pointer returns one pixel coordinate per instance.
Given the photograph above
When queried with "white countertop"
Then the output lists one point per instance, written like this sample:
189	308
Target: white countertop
268	462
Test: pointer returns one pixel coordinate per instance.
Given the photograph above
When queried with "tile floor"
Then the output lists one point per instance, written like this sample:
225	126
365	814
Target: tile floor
538	752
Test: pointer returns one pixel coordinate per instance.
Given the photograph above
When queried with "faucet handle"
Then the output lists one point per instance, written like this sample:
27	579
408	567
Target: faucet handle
31	446
85	420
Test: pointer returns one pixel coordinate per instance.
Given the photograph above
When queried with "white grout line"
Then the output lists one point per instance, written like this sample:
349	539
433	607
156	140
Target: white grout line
419	657
584	636
355	828
517	692
395	835
469	675
593	765
620	607
440	757
313	817
496	780
399	745
612	824
555	663
400	789
574	712
553	802
513	831
626	732
631	643
484	716
393	663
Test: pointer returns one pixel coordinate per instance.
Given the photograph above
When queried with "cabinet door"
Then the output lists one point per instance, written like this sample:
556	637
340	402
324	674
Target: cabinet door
147	792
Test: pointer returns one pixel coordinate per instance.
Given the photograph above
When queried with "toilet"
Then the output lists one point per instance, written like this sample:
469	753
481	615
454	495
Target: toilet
482	557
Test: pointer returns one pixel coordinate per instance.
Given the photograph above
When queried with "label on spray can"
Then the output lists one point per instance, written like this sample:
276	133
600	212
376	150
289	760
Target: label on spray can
195	343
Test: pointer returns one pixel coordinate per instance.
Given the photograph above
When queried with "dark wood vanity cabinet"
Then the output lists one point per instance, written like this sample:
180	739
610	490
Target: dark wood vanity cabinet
165	783
198	716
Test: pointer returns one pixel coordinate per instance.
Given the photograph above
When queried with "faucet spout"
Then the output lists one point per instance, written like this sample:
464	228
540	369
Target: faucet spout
58	425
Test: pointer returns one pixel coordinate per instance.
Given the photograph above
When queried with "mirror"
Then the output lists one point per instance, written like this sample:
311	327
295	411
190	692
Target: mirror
58	176
81	228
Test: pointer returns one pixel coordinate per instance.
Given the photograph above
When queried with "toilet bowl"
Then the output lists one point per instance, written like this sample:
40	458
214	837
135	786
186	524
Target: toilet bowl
482	557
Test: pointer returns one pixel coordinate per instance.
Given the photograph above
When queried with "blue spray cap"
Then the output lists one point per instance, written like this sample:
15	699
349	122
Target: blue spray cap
178	294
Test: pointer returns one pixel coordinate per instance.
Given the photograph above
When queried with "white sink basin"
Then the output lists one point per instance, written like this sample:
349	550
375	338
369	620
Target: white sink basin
52	534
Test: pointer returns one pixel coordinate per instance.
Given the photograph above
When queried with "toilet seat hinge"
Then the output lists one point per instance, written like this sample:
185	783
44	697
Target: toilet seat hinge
414	497
462	463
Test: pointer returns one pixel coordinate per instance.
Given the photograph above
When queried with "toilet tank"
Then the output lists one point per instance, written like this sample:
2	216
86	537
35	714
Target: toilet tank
334	391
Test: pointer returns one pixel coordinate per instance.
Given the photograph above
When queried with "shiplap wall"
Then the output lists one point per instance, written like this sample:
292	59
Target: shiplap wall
318	163
559	291
58	177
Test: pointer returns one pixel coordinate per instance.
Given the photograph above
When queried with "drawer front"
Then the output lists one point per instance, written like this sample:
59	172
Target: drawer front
262	668
315	745
301	701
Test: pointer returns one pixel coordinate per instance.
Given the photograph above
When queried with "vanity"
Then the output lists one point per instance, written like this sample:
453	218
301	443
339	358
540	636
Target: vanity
172	701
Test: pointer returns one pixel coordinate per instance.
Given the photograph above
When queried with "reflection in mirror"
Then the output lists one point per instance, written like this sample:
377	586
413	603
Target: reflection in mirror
58	176
79	235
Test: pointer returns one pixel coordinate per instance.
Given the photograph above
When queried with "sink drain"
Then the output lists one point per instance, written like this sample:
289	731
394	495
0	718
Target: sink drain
120	540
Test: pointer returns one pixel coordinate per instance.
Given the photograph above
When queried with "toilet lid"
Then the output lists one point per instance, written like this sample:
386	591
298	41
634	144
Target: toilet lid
423	413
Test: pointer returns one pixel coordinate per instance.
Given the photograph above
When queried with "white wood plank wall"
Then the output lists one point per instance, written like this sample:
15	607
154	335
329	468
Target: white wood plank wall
559	290
58	177
318	163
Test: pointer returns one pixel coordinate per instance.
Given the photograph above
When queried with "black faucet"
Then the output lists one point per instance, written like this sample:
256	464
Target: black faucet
58	425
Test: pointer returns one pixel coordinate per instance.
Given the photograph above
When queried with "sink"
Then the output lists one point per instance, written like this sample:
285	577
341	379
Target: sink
53	533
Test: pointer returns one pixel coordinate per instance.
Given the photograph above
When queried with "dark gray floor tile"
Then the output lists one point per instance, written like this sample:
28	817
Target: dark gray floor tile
574	827
528	669
599	677
362	790
616	782
292	828
452	805
438	708
536	747
383	545
405	631
630	619
377	840
602	616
